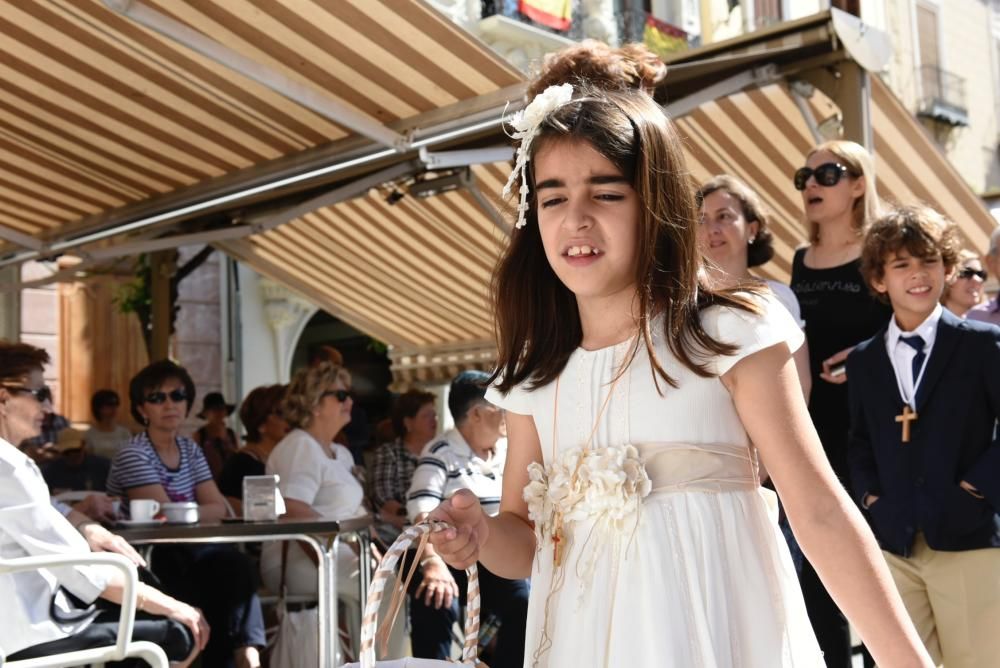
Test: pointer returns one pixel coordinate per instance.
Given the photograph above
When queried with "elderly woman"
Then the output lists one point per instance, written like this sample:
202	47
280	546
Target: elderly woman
162	465
316	481
964	288
261	416
43	613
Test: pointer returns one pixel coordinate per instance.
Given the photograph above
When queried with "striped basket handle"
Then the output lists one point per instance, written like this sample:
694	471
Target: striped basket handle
386	573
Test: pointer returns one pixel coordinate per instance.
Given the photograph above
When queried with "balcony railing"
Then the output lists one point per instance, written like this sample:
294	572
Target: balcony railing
942	96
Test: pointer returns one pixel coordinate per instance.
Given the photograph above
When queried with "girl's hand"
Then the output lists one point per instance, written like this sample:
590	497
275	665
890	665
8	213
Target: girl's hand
459	544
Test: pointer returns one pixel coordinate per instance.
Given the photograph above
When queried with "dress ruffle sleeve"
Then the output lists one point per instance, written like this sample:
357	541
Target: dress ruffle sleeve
750	332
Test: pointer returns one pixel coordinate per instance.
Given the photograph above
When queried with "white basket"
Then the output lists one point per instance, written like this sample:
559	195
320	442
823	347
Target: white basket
386	573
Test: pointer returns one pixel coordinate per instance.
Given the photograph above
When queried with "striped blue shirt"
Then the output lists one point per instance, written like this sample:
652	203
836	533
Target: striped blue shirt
446	465
137	464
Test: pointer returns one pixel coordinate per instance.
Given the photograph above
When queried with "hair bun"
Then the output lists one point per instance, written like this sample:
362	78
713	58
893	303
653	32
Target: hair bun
632	66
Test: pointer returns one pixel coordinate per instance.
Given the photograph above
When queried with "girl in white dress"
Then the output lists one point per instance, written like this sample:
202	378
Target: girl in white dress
637	399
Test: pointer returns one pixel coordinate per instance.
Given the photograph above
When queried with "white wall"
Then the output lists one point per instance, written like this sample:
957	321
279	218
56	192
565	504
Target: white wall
260	360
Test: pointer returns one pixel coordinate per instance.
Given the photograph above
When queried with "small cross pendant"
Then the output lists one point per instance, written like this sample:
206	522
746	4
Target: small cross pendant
557	539
908	416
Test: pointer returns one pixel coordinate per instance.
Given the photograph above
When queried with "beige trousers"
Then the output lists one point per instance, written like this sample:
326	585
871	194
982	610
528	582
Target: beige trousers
953	599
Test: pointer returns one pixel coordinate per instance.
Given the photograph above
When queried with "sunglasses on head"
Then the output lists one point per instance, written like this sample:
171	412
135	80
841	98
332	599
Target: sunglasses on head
177	396
41	394
969	272
341	395
828	174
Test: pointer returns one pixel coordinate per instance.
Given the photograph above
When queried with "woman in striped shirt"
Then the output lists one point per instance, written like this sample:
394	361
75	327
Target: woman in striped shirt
162	465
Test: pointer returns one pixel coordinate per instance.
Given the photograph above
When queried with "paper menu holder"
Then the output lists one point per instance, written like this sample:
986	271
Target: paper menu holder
262	500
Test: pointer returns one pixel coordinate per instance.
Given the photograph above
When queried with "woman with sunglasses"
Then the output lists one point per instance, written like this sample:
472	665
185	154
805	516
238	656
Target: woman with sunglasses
964	288
40	617
160	464
837	184
316	481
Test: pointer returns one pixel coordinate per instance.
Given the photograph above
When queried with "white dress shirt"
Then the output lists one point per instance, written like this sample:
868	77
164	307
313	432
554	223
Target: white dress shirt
31	526
901	354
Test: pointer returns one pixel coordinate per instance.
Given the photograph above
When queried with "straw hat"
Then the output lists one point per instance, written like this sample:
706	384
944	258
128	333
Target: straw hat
69	439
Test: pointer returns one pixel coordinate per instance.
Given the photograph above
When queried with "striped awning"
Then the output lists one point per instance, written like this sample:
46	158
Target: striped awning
100	113
414	273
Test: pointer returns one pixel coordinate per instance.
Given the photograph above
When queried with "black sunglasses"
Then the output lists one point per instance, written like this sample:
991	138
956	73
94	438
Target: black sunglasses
969	272
341	395
41	394
828	174
156	398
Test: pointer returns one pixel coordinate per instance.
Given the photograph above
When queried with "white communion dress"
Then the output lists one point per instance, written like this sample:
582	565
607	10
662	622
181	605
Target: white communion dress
685	568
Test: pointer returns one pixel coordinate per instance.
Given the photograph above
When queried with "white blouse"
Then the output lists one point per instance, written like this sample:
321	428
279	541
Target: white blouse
308	475
31	526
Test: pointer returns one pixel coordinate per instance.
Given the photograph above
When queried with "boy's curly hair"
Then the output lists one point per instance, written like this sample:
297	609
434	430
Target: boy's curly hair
922	231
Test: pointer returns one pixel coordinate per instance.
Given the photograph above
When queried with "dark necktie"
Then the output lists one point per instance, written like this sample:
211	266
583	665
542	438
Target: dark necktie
917	343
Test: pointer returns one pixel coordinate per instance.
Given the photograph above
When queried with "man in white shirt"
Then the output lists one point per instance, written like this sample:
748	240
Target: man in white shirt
51	611
469	456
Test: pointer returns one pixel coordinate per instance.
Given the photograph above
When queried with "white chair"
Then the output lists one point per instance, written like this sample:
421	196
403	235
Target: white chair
124	647
73	496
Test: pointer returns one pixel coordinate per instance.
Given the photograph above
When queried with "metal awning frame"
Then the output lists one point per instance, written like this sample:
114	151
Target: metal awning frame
332	163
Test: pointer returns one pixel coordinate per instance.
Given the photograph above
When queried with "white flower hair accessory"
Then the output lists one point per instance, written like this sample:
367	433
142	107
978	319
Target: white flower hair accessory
525	124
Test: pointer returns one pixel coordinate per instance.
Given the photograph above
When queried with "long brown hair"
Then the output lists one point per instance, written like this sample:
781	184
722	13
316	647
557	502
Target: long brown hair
537	320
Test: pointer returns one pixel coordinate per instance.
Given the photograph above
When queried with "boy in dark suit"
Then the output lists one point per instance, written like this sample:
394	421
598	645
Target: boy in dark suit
924	457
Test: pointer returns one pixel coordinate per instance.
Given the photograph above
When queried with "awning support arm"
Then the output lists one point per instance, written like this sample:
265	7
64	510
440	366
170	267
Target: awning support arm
801	92
271	219
306	95
20	238
758	76
488	208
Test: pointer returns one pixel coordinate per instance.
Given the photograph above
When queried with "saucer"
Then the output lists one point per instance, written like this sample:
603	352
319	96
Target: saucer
155	522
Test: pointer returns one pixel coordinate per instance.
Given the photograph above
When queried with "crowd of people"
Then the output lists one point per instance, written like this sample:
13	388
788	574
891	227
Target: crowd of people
611	477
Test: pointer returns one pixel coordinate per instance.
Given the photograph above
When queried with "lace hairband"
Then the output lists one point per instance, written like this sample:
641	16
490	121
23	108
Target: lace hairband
525	124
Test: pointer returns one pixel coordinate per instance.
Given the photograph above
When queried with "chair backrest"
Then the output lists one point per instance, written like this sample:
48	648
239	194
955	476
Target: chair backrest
123	647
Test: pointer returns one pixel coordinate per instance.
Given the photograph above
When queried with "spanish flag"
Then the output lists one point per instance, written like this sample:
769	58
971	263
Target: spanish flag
663	38
555	14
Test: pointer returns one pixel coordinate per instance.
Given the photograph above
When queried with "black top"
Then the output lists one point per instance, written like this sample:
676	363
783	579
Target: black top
236	468
91	474
839	312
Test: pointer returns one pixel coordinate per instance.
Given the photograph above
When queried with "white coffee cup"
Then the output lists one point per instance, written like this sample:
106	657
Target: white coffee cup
142	510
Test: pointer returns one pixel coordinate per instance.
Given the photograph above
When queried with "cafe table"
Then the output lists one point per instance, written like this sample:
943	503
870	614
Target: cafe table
322	535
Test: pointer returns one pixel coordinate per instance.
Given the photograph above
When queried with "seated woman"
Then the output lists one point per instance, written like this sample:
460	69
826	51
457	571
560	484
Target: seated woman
316	482
106	437
61	610
261	416
218	442
160	464
415	423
